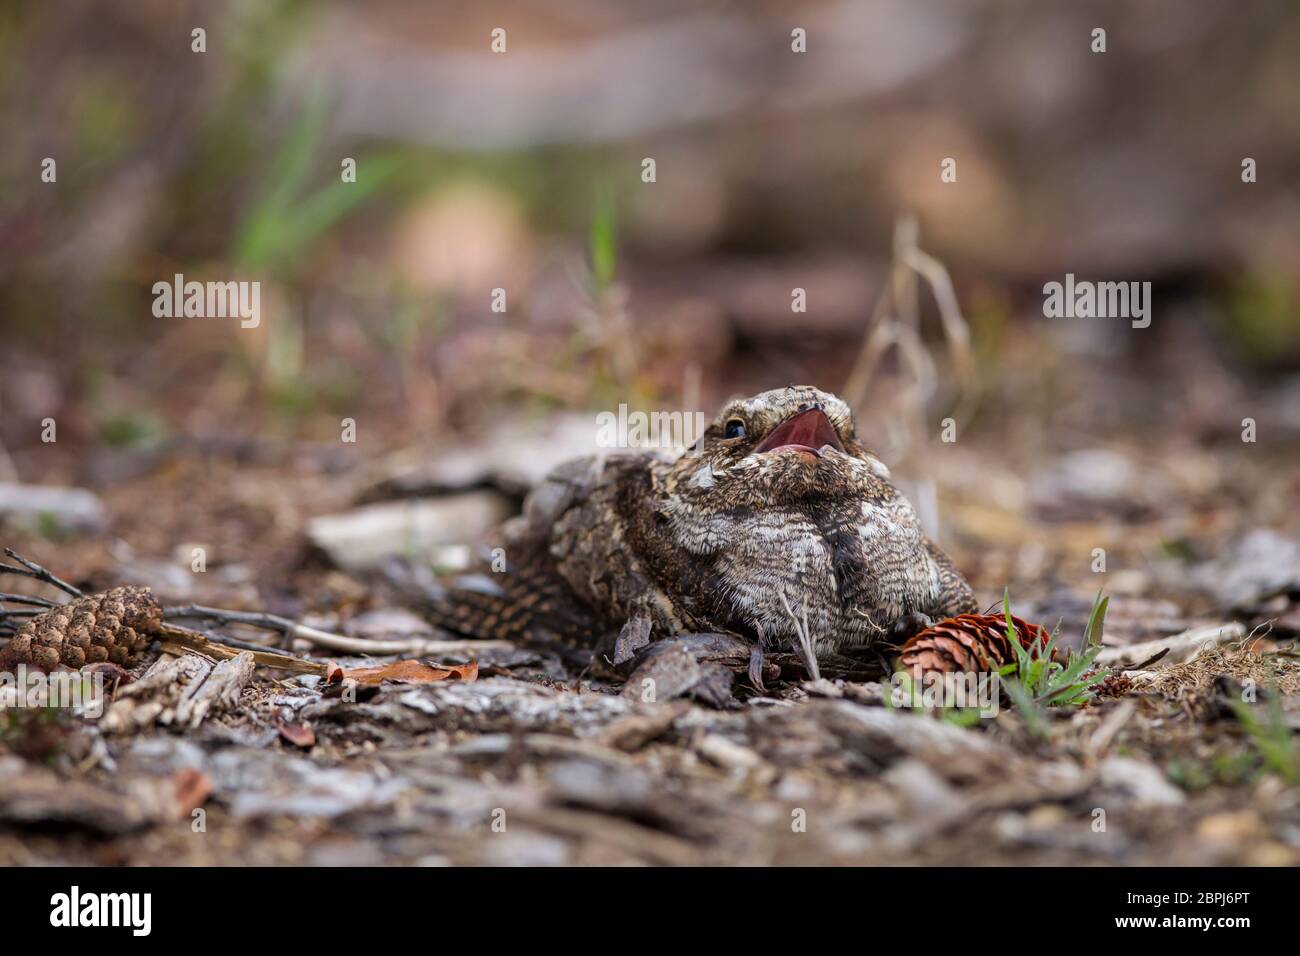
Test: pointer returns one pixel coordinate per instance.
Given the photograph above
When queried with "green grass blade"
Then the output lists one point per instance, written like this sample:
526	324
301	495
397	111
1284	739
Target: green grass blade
1096	620
604	239
1027	707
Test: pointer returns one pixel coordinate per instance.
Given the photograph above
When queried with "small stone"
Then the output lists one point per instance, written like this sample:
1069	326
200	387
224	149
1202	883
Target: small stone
723	753
1046	816
1142	781
361	539
37	507
1235	827
1270	854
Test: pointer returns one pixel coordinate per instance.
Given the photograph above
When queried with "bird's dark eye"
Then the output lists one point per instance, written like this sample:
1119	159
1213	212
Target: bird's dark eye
735	428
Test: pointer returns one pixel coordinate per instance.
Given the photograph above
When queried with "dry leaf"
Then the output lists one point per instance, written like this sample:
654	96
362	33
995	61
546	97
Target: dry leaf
295	732
193	787
409	672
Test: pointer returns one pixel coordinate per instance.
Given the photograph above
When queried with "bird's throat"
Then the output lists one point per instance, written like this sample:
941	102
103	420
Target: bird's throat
809	431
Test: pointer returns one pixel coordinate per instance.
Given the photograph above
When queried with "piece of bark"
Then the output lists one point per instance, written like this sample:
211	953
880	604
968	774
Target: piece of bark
220	691
1181	647
33	795
27	800
630	837
140	704
179	691
632	733
633	636
668	673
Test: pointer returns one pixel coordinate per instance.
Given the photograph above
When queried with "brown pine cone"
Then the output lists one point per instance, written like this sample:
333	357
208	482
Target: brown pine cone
114	626
967	643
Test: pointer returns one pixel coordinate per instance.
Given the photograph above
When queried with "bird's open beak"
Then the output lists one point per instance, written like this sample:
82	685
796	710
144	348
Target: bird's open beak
809	431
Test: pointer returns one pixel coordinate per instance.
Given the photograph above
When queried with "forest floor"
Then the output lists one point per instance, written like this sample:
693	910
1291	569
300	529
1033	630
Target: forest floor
1189	759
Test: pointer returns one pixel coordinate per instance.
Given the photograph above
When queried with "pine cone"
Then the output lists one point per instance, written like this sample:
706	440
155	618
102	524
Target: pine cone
967	643
114	626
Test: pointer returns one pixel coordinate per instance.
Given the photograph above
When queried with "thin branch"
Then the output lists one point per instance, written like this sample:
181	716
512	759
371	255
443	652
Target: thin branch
176	639
34	570
955	329
26	599
216	637
334	642
221	615
877	340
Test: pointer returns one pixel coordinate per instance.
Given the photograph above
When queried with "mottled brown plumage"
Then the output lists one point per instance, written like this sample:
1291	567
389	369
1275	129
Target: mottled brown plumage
776	517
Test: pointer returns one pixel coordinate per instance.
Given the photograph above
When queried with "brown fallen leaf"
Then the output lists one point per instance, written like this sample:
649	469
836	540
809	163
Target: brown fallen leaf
407	672
193	787
113	673
295	732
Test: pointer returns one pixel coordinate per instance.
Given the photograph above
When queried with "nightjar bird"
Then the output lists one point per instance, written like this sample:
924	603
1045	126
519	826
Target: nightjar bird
778	526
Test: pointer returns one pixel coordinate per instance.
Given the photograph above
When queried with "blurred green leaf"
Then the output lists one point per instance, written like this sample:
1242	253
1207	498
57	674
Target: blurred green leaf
1263	316
604	239
284	222
1271	738
136	429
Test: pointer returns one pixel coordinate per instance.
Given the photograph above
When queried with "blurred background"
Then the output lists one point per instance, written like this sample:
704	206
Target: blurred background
522	171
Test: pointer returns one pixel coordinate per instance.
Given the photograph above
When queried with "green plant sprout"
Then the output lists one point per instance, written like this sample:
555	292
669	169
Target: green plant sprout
1035	680
1271	738
604	240
957	716
286	218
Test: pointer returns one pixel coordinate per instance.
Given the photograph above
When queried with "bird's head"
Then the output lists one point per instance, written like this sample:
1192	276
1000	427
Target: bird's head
780	446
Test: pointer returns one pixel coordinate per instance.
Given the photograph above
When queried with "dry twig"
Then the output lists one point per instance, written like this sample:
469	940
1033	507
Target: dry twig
181	640
335	642
31	569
